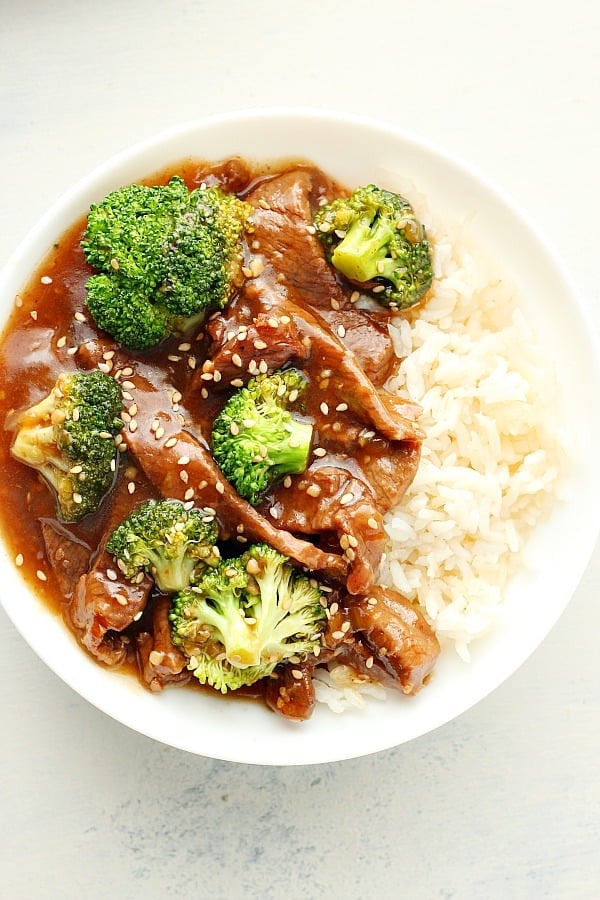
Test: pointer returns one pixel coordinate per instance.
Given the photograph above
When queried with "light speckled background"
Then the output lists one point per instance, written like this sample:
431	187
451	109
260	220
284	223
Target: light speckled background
504	802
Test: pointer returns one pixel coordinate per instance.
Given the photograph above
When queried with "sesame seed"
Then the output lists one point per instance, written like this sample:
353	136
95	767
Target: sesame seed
324	409
294	442
320	451
274	512
75	416
111	575
236	360
334	303
350	554
132	409
176	397
369	662
33	314
75	470
354	296
256	267
338	635
341	331
184	347
72	351
121	600
260	345
105	435
313	490
220	487
234	428
41	575
237	382
297	674
183	460
131	487
379	288
345	627
128	385
207	376
171	442
263	204
373	523
45	279
347	498
184	476
287	481
352	541
133	426
201	485
285	320
192	364
77	498
19	560
61	342
189	494
79	316
272	322
172	357
341	407
263	367
159	433
204	393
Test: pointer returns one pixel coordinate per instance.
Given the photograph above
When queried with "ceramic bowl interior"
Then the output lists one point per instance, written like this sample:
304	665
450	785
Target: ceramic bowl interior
355	151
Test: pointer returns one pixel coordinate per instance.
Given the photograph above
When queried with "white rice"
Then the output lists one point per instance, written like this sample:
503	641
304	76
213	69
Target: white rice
491	458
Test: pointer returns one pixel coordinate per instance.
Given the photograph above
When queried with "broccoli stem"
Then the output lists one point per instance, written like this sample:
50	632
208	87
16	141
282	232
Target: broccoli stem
365	244
291	455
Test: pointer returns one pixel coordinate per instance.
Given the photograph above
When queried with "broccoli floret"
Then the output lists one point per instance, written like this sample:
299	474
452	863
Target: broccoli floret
247	615
164	256
167	541
256	439
69	438
374	239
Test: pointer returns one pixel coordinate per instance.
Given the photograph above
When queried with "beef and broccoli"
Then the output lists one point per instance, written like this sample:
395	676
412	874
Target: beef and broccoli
207	449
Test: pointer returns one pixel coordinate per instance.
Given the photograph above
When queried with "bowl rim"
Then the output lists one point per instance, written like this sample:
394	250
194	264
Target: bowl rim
181	132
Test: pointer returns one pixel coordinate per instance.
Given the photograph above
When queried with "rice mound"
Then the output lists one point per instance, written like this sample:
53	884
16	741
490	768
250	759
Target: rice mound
492	455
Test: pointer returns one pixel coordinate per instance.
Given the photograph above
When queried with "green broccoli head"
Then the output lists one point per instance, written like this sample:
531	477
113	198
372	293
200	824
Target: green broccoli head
166	540
164	256
374	239
247	615
69	438
256	439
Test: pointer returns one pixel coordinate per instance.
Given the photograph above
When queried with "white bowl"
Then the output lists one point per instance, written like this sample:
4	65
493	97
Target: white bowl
355	151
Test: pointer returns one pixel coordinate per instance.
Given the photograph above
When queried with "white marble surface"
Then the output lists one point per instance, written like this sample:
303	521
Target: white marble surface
504	802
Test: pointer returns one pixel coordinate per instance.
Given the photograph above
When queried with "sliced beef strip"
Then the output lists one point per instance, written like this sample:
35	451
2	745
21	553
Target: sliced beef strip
102	608
160	662
401	640
345	506
324	352
290	691
235	347
104	602
180	465
69	557
286	243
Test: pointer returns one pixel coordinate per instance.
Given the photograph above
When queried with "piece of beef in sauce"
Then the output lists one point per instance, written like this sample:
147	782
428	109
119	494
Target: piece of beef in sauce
104	604
283	235
398	639
160	662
